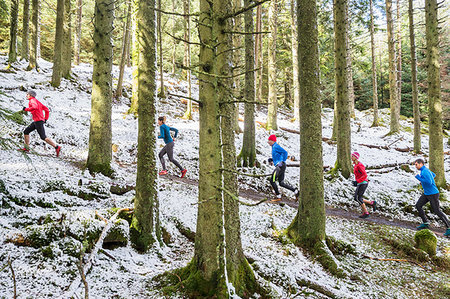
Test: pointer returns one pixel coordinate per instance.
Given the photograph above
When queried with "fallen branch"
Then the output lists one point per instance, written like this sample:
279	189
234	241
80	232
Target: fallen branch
83	277
395	260
100	216
76	283
13	277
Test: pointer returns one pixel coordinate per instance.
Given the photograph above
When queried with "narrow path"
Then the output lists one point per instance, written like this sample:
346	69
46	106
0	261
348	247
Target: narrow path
330	211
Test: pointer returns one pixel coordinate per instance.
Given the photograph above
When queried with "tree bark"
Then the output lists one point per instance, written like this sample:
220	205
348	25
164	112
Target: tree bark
436	142
399	58
38	31
351	90
145	224
295	60
237	60
57	53
25	51
100	134
308	227
123	59
12	55
77	42
175	42
187	56
415	99
34	35
272	67
393	87
134	61
248	151
67	42
343	161
374	70
258	55
161	93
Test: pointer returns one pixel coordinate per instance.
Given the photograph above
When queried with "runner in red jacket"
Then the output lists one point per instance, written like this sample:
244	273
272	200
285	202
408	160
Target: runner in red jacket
361	184
37	110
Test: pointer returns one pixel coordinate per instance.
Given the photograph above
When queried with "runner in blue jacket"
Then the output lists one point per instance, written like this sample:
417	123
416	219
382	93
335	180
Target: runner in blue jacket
279	156
430	194
168	148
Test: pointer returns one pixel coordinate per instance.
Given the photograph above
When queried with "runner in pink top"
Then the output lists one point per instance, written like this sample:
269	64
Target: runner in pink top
37	110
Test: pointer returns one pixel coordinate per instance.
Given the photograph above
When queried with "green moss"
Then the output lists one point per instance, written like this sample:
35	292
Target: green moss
42	235
426	241
404	248
140	240
325	258
47	252
339	247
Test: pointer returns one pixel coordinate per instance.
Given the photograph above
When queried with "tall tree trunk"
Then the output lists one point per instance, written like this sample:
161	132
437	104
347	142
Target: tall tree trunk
12	56
351	91
34	35
57	52
295	60
393	87
67	42
415	99
308	227
161	93
187	56
77	42
100	135
237	60
123	59
145	224
134	60
38	30
343	161
25	51
272	67
175	42
374	70
436	142
248	151
129	49
218	259
258	55
399	58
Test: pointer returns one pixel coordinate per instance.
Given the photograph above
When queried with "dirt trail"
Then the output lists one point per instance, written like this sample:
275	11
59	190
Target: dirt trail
330	211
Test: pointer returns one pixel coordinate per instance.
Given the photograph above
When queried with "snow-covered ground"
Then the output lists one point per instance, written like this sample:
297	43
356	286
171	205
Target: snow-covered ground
43	190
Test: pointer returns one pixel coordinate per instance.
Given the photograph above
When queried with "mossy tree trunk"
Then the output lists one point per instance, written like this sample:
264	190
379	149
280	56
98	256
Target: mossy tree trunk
308	227
248	151
175	42
399	58
258	55
218	258
161	93
134	61
66	65
34	35
237	62
393	87
100	134
123	59
25	50
272	67
415	98
77	42
145	228
57	52
12	54
295	59
343	161
436	142
351	89
375	122
187	56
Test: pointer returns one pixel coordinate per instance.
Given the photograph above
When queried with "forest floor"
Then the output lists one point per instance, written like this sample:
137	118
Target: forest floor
55	203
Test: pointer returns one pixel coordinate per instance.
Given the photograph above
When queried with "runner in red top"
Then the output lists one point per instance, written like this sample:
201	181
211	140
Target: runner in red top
37	110
361	184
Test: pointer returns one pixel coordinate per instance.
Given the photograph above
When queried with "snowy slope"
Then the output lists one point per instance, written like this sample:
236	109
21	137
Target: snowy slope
39	189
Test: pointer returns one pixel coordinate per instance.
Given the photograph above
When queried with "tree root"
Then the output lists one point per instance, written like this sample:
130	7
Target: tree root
395	260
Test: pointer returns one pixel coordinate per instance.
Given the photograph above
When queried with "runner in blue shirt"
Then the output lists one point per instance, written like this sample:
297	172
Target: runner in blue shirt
168	148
